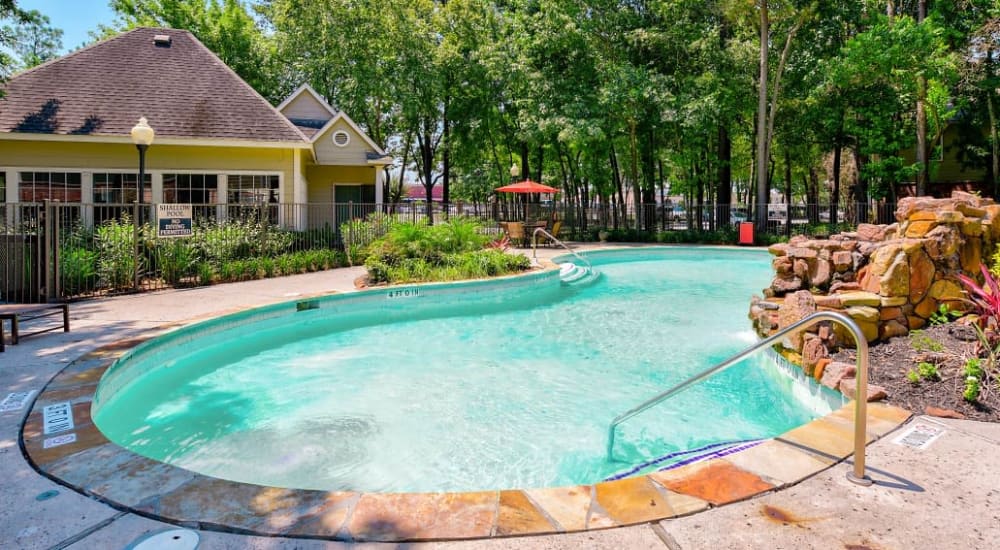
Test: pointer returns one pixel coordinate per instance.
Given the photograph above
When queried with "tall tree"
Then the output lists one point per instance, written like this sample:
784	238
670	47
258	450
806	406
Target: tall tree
34	39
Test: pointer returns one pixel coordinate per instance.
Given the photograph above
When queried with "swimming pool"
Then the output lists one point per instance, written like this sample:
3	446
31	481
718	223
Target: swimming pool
461	387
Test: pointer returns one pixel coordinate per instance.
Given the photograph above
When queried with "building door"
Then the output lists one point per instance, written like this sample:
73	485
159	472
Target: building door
353	201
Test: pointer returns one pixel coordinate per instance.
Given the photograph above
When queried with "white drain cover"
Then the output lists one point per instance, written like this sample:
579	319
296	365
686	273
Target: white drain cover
171	539
918	436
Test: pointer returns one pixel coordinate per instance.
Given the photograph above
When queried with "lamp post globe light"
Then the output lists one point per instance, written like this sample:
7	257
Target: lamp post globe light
142	136
515	171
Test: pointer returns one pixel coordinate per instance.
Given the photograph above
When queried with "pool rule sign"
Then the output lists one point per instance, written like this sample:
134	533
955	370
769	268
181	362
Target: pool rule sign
173	220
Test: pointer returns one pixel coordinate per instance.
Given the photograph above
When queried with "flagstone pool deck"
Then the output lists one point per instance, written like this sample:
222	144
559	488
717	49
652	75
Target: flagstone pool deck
788	492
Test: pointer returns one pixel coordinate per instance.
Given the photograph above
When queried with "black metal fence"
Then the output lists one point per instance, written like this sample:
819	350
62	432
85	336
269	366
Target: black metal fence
56	251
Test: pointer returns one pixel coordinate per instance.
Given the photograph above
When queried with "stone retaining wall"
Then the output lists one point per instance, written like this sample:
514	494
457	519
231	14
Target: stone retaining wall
889	278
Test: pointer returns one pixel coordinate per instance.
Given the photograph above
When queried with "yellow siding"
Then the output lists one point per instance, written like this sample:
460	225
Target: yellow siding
306	106
329	153
325	175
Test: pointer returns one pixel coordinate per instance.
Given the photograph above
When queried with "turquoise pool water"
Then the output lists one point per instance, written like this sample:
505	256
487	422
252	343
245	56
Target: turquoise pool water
516	391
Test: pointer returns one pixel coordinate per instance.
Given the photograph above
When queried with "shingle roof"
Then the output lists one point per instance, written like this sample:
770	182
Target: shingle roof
183	89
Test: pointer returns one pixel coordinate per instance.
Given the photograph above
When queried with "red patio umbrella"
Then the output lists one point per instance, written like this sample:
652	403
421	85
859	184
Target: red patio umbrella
526	186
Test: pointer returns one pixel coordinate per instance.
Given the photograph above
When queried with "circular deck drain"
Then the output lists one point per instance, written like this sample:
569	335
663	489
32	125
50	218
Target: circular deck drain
171	539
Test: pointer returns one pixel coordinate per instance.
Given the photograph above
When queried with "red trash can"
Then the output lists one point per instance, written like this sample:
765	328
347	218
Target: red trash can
746	233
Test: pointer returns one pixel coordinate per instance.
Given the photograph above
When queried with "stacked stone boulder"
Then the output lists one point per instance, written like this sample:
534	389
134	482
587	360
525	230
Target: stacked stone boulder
889	278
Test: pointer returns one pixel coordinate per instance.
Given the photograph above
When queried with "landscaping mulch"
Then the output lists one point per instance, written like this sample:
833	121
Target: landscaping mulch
947	346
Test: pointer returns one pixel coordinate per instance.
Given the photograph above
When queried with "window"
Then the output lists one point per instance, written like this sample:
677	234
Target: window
252	189
199	190
3	187
121	188
56	186
190	188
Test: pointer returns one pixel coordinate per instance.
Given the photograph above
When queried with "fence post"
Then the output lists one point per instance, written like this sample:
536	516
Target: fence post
135	245
48	263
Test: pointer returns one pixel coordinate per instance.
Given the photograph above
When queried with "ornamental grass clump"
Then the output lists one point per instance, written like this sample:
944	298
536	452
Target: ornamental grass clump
452	250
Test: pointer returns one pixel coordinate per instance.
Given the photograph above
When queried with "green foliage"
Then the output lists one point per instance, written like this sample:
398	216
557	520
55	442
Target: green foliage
33	38
973	374
78	269
176	259
928	371
943	315
456	249
117	263
921	341
220	242
357	234
925	371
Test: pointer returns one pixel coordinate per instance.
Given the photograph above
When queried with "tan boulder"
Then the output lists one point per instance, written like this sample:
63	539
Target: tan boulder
946	290
845	286
950	216
971	255
893	301
971	211
835	372
782	265
941	242
926	307
891	329
921	275
783	284
802	251
819	273
778	249
914	322
923	216
888	313
842	260
972	228
801	269
812	351
796	306
863	313
895	281
871	232
832	301
919	228
849	388
858	298
868	280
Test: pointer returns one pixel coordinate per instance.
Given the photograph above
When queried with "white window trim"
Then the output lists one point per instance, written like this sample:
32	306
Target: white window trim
345	133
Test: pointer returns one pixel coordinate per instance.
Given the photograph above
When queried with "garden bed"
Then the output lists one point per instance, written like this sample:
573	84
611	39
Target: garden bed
947	347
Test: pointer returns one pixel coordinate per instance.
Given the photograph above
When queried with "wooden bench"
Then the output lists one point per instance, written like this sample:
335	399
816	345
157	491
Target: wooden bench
20	313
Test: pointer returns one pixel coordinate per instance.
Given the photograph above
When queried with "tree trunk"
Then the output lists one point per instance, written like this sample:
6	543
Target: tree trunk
788	194
724	187
761	160
860	189
924	166
835	193
446	158
812	195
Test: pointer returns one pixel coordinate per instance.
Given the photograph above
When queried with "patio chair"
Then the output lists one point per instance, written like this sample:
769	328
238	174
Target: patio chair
18	314
544	239
515	232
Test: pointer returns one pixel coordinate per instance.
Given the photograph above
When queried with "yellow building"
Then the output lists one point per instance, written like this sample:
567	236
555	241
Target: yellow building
65	135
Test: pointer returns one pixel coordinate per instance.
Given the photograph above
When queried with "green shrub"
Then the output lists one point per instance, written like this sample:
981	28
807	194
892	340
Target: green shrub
206	273
452	250
78	269
176	260
116	246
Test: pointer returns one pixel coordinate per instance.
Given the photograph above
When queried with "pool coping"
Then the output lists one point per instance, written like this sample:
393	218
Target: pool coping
94	466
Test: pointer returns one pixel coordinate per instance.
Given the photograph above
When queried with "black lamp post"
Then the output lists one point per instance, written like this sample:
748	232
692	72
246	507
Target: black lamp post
142	136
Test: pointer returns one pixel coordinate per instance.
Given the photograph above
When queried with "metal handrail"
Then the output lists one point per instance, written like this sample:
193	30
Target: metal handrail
534	246
861	379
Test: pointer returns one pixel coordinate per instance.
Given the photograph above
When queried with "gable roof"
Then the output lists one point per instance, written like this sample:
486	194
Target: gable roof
183	89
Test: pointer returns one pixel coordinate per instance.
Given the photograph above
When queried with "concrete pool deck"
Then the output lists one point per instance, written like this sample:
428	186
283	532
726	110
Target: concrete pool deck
920	495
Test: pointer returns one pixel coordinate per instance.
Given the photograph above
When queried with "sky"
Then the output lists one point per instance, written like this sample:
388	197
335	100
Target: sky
75	17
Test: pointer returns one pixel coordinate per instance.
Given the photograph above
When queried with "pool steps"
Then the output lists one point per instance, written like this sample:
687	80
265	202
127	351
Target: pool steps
677	459
570	273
